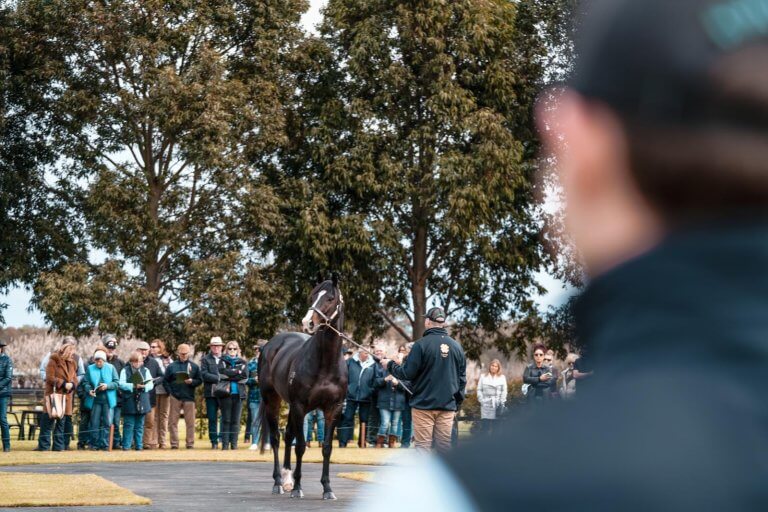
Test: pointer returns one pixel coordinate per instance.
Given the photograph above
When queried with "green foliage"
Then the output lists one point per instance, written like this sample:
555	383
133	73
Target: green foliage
160	110
410	164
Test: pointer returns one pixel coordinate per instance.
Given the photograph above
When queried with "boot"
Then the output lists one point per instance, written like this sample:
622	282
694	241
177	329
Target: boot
380	441
392	441
361	441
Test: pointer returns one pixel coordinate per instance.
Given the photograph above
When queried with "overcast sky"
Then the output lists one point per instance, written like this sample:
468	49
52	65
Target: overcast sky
18	300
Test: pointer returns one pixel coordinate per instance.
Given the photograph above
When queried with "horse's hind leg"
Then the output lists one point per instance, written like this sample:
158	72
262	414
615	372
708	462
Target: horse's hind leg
272	401
290	434
332	418
301	445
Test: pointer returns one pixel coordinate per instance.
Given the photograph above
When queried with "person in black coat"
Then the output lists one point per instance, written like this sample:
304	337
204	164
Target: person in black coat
538	377
390	401
209	369
362	371
234	370
6	375
181	378
151	364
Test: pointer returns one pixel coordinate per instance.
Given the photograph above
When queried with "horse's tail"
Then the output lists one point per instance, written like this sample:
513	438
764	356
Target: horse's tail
263	426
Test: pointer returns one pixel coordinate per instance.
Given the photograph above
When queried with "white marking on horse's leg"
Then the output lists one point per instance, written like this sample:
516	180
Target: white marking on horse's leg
287	477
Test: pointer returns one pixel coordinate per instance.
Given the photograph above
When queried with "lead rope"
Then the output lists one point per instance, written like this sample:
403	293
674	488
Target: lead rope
376	359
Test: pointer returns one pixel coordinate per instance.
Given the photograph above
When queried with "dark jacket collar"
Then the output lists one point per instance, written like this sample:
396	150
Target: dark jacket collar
435	330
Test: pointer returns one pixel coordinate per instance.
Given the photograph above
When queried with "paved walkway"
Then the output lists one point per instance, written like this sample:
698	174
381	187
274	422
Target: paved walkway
186	486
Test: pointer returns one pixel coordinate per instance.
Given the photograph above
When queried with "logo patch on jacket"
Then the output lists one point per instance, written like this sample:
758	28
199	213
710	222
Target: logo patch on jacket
444	350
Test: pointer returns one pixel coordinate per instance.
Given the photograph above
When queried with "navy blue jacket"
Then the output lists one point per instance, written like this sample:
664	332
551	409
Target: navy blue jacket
389	396
6	374
361	381
675	416
182	391
437	368
209	370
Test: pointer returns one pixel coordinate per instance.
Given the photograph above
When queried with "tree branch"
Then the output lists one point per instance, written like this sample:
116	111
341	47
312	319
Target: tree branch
394	325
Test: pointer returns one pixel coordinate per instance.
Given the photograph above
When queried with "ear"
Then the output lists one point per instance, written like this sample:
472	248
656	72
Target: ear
319	278
335	279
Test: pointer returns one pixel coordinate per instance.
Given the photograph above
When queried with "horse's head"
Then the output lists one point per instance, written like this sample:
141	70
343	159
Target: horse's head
326	305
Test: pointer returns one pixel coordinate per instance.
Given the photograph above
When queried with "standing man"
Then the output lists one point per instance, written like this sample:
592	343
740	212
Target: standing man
150	439
254	396
437	368
110	343
6	375
162	398
209	369
180	380
362	372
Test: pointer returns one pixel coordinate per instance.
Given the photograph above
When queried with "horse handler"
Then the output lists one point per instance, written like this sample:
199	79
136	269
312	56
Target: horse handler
437	369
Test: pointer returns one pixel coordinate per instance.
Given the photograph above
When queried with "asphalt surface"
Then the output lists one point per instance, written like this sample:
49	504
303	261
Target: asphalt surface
186	486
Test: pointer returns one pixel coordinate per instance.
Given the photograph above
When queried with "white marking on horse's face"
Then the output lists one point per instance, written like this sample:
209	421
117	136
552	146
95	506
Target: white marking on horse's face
308	322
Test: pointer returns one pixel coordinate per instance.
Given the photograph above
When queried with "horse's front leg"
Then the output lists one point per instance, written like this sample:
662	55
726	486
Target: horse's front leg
301	445
272	415
332	417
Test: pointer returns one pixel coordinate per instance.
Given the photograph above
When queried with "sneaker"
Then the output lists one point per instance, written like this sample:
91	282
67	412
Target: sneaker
253	447
267	446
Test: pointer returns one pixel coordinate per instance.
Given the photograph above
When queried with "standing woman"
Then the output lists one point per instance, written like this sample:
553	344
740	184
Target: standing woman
61	377
492	394
538	377
6	374
234	370
390	401
101	381
136	383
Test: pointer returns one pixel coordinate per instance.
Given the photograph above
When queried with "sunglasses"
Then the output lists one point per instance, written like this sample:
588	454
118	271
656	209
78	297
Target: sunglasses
183	353
232	348
153	346
538	355
547	360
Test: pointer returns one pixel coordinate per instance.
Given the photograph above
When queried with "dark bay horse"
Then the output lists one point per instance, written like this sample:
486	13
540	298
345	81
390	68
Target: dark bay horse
308	372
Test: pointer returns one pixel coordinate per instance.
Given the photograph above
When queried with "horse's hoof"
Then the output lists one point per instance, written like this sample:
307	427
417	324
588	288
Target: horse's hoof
329	495
297	493
277	489
288	487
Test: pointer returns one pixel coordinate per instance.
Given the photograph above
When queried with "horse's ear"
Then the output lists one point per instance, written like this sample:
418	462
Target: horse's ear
335	279
319	278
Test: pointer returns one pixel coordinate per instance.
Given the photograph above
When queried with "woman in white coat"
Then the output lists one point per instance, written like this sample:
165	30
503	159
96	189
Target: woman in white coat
492	394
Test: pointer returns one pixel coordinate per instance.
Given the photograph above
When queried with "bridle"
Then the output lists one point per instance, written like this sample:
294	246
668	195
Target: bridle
326	318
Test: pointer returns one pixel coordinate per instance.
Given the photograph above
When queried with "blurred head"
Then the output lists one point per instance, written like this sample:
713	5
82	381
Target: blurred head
136	359
378	351
664	124
571	358
157	348
143	348
232	349
184	352
362	355
495	367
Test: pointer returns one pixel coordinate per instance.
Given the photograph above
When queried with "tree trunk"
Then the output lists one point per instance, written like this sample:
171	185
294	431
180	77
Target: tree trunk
419	280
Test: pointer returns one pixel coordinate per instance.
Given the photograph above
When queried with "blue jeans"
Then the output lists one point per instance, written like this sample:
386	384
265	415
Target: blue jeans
347	430
405	428
388	423
101	419
255	432
211	411
133	431
5	430
309	420
117	412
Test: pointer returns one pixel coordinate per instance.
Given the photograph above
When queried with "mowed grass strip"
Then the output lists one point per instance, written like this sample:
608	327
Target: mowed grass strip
53	490
22	454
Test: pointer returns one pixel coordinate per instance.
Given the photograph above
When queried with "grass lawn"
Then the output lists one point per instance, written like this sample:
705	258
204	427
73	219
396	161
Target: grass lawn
50	490
22	453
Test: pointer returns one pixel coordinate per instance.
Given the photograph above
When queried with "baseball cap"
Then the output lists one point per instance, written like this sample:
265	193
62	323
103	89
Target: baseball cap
111	344
436	314
662	61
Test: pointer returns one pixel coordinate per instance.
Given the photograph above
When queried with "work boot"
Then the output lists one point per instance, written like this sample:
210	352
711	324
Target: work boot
380	441
392	441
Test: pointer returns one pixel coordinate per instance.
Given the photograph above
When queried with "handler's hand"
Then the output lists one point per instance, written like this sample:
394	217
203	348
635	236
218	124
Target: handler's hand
384	362
92	393
188	381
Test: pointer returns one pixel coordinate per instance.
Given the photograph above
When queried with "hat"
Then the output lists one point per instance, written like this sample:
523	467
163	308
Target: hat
69	340
142	345
100	354
436	314
216	342
107	338
111	344
659	61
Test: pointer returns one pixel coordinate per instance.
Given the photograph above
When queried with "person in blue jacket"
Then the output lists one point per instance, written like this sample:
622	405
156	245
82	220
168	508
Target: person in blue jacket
362	372
101	387
135	398
6	375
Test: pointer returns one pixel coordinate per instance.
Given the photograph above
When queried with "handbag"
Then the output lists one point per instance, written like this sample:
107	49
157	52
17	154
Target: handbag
56	405
221	389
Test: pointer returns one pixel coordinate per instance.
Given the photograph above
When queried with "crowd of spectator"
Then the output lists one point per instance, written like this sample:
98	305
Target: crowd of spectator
138	404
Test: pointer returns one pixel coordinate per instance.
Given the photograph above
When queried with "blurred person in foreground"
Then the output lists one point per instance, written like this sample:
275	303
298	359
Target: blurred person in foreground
662	144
